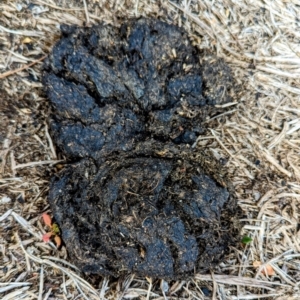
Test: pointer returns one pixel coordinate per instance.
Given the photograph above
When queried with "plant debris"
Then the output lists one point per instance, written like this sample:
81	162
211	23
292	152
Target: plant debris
54	231
266	270
136	197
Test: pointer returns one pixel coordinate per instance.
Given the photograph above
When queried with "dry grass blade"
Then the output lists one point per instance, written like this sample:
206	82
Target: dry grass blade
54	156
220	142
195	19
78	281
104	288
58	7
16	295
26	225
41	287
5	215
4	287
221	115
86	12
21	32
8	73
275	163
61	261
280	137
79	288
82	283
236	280
48	294
253	297
137	292
215	286
37	163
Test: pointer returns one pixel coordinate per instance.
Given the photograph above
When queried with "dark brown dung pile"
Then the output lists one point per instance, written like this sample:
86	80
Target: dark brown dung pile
137	197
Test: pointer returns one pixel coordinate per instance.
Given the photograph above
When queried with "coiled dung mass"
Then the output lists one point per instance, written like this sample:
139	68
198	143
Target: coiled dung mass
128	103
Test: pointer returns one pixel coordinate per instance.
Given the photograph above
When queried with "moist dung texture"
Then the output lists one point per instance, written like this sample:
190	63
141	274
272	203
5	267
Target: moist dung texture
128	103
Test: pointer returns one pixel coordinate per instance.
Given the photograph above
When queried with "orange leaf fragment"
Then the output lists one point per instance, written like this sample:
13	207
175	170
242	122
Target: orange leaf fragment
57	241
47	219
47	236
267	270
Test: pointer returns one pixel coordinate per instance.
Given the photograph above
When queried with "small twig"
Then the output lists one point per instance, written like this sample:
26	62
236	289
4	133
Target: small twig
8	73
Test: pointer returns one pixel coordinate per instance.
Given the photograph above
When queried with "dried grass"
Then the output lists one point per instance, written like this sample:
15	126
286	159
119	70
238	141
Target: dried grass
258	136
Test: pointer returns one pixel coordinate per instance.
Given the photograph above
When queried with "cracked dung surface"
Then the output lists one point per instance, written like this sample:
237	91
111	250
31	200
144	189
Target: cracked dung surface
127	105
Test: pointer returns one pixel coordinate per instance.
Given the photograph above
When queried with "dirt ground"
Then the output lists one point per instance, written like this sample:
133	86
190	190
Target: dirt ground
256	139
